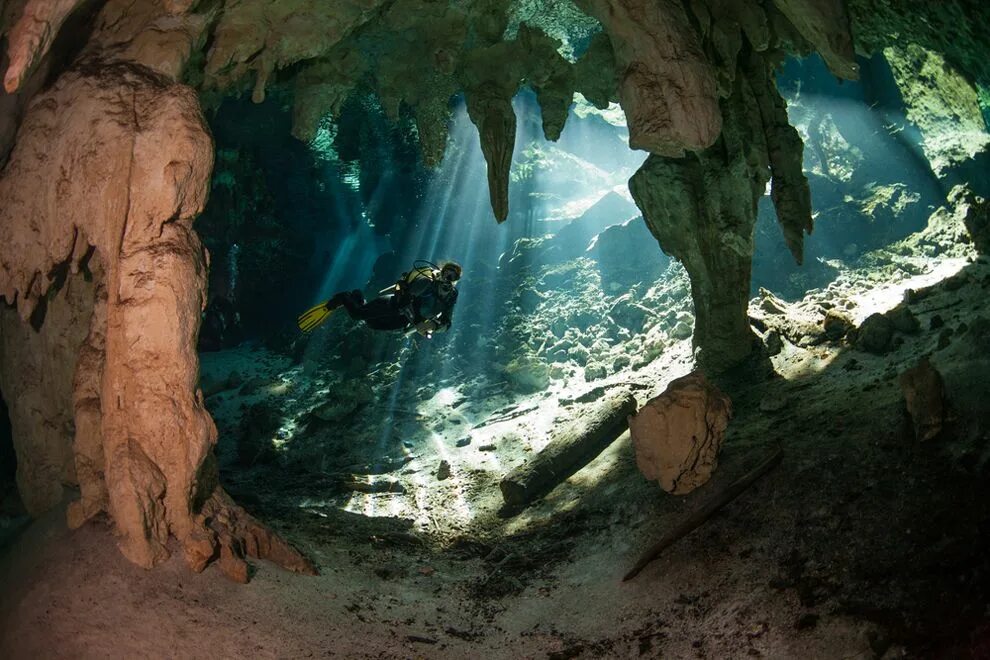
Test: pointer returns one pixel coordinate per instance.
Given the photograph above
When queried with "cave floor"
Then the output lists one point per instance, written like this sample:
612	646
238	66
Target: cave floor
862	543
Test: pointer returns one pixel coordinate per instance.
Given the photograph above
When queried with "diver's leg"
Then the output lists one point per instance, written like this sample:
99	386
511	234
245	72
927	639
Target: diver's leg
381	314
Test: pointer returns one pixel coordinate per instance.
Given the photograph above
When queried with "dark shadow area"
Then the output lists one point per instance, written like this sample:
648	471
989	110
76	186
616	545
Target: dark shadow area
8	459
13	518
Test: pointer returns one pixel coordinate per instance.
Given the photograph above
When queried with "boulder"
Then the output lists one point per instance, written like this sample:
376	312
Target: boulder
875	334
976	218
677	435
904	320
527	373
345	399
924	395
836	325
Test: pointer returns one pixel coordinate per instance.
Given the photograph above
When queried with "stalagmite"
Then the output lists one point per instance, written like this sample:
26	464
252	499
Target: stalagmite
702	209
129	157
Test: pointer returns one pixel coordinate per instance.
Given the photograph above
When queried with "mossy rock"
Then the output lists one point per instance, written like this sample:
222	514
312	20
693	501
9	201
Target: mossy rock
527	374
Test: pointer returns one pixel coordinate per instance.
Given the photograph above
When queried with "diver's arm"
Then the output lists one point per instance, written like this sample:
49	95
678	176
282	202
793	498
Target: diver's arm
445	318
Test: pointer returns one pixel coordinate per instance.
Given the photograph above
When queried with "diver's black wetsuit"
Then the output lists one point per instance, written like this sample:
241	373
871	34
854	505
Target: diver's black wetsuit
381	313
422	300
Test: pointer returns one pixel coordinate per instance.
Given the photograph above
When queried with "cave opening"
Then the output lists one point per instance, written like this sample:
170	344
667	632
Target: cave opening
346	408
347	438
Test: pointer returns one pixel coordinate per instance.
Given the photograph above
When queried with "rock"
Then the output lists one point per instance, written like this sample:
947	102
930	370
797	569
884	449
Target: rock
627	254
773	402
579	354
628	313
443	471
924	395
344	401
773	343
212	387
976	217
677	435
875	333
256	434
362	484
528	373
904	320
595	371
945	338
464	442
836	325
682	329
253	386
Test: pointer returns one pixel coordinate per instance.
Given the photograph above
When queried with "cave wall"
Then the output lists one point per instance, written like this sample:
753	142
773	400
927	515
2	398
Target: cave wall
36	375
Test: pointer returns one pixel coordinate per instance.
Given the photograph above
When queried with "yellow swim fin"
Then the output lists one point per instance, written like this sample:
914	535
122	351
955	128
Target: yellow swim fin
312	318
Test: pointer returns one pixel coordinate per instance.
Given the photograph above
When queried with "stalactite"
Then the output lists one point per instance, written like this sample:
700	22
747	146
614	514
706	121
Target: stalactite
702	208
667	87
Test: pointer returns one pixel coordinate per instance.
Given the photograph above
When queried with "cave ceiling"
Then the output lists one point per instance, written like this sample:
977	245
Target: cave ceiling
667	63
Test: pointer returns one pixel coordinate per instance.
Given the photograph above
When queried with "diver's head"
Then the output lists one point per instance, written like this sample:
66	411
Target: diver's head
450	271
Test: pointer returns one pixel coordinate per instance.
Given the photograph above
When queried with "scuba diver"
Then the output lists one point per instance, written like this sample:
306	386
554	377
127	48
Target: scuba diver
422	300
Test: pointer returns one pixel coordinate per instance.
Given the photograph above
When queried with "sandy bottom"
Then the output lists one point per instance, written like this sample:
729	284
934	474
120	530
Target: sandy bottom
863	543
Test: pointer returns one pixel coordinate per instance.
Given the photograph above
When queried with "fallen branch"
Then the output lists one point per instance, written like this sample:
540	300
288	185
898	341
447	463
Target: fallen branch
570	449
495	419
702	515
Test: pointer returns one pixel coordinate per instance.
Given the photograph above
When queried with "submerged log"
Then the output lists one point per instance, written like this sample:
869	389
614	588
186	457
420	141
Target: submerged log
571	448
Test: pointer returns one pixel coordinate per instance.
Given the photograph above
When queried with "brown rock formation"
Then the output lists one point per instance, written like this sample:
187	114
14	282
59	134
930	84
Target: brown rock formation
129	158
667	87
825	24
262	36
36	375
134	188
489	103
924	396
677	435
31	37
